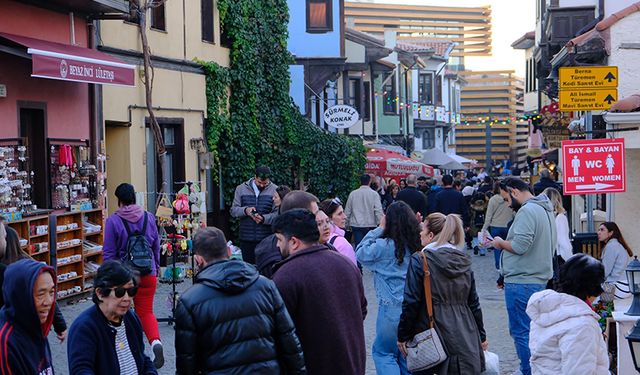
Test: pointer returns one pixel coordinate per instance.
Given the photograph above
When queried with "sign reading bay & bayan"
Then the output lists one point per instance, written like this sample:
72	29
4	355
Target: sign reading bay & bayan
593	166
341	116
587	88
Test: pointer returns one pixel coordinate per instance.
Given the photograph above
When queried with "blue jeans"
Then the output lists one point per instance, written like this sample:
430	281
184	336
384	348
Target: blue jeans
516	297
386	356
358	235
498	232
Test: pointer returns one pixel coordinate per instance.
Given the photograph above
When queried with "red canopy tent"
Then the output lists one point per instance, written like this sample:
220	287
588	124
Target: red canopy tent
387	163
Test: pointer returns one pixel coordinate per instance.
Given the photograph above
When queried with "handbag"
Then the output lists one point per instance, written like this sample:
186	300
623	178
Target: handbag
425	350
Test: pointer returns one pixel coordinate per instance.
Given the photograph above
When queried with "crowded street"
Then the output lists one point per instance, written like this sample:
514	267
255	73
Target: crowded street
492	307
322	187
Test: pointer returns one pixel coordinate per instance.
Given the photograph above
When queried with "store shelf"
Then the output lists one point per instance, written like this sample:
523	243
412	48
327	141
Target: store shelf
68	247
40	252
73	294
68	230
69	263
93	253
70	279
92	233
38	235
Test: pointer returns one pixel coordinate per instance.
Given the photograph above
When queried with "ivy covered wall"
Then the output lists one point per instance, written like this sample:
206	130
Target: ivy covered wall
252	119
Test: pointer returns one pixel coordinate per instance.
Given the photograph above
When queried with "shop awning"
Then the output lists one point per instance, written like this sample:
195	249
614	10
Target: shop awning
71	63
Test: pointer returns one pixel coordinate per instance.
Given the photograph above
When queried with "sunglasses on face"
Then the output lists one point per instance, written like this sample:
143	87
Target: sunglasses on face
120	291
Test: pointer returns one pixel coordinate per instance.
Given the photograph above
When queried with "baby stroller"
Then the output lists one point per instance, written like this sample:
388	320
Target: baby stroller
479	202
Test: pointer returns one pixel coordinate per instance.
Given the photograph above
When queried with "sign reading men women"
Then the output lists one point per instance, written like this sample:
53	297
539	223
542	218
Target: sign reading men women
594	166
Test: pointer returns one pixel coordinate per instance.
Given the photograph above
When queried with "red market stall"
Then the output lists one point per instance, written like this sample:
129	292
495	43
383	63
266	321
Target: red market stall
386	163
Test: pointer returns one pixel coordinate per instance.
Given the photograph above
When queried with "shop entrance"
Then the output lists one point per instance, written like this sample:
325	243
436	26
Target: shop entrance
33	129
173	134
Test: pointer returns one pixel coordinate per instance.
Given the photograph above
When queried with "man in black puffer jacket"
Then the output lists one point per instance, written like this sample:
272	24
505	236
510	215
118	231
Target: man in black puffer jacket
233	321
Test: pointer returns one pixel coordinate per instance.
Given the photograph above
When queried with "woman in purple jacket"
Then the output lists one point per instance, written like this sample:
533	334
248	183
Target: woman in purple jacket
115	247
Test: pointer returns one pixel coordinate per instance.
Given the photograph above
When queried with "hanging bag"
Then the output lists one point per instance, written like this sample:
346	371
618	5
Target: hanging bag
425	350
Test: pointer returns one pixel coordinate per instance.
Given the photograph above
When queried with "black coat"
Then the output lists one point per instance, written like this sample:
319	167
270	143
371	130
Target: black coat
450	201
415	199
233	321
456	309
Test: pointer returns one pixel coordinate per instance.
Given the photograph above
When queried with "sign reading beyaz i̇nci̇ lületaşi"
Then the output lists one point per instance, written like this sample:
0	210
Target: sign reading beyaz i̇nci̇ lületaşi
594	166
341	116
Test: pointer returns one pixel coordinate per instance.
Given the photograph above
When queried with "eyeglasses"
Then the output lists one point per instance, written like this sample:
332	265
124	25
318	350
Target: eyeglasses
336	201
120	291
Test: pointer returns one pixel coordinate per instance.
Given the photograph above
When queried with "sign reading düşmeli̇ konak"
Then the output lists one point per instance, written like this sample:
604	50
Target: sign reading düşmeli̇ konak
341	116
587	88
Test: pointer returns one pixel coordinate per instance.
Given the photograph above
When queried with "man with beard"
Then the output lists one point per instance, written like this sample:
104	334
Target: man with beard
253	205
324	294
526	262
232	320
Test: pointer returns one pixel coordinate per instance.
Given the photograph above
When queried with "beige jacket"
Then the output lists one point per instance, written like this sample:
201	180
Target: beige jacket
499	214
364	208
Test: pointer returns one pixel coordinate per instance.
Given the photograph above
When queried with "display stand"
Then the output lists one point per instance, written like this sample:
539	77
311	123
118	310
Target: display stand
178	240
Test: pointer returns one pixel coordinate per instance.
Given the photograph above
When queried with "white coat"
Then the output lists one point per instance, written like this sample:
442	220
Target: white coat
565	337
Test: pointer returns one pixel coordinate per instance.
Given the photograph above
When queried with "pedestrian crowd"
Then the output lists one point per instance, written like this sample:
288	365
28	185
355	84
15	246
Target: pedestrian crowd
295	303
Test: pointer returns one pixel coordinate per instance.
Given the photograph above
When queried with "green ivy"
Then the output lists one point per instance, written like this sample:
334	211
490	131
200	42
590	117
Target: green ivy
253	121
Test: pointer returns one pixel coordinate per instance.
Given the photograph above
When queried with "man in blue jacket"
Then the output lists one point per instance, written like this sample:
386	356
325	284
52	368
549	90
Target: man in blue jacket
451	201
26	318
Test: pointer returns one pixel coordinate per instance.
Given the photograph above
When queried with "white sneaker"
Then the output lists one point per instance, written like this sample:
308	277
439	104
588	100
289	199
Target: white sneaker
158	353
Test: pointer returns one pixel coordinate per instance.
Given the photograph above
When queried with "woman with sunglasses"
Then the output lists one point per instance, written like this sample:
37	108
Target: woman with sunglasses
335	212
107	338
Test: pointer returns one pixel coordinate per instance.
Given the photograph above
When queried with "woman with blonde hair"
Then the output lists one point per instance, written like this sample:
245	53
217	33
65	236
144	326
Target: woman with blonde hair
564	249
456	306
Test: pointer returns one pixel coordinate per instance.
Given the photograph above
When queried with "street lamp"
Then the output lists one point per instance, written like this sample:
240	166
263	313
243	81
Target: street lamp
634	344
633	277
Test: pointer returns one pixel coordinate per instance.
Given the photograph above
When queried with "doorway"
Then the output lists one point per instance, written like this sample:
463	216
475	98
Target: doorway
33	129
173	135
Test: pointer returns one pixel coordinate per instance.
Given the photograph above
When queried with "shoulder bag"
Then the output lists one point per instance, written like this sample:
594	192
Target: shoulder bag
425	350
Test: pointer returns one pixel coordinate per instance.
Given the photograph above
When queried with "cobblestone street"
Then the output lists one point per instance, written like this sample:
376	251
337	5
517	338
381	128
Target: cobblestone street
492	302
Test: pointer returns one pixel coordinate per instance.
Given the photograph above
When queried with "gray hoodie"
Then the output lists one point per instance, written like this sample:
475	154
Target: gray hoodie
533	239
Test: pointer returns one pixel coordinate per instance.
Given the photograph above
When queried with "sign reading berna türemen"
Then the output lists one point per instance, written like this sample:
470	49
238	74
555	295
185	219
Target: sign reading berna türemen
341	116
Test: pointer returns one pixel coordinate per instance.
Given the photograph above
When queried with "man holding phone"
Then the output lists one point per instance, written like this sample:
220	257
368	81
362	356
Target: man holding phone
253	205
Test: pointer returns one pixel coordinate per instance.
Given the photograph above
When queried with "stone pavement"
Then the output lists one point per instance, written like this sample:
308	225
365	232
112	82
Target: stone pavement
491	299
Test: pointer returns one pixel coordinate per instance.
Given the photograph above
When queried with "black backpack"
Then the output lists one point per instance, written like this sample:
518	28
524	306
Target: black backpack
138	256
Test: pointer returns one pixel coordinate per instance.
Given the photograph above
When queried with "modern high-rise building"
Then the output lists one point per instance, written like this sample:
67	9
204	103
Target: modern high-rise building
469	27
491	105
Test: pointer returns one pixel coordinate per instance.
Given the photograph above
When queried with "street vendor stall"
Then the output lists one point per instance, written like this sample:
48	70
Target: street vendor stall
386	163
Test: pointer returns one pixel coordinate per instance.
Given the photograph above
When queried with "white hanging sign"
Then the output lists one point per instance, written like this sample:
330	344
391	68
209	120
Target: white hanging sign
341	116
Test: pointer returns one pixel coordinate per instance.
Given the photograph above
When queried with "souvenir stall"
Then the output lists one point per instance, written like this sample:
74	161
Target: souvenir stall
67	234
178	219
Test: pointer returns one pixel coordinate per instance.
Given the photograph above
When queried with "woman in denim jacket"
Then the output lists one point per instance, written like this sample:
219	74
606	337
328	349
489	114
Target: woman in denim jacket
386	251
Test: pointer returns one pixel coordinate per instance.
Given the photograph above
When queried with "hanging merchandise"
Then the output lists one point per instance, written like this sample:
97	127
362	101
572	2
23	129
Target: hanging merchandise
74	179
15	182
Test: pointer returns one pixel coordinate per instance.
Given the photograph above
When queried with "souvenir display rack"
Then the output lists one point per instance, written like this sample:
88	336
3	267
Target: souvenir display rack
73	177
15	179
77	241
176	243
34	237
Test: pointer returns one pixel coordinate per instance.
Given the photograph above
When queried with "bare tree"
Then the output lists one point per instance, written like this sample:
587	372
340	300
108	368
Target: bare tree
141	8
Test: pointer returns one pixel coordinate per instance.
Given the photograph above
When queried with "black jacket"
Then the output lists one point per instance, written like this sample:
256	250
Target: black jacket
267	255
544	183
233	321
415	199
450	201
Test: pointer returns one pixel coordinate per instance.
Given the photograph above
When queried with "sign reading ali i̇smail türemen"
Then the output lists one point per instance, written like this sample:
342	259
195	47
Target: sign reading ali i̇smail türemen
594	166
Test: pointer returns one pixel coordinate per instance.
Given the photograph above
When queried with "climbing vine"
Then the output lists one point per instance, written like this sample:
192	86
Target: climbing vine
253	120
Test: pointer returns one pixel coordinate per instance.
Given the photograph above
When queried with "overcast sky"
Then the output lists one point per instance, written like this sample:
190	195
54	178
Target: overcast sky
510	20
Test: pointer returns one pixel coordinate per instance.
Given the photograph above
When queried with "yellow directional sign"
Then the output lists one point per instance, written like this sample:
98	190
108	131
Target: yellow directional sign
588	77
587	100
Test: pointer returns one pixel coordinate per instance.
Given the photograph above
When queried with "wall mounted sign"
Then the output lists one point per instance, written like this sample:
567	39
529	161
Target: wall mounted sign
594	166
341	116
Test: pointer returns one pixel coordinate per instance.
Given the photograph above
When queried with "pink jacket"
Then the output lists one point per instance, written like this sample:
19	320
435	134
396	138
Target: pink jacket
341	244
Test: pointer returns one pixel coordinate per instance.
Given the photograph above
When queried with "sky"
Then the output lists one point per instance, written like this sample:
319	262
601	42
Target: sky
510	20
